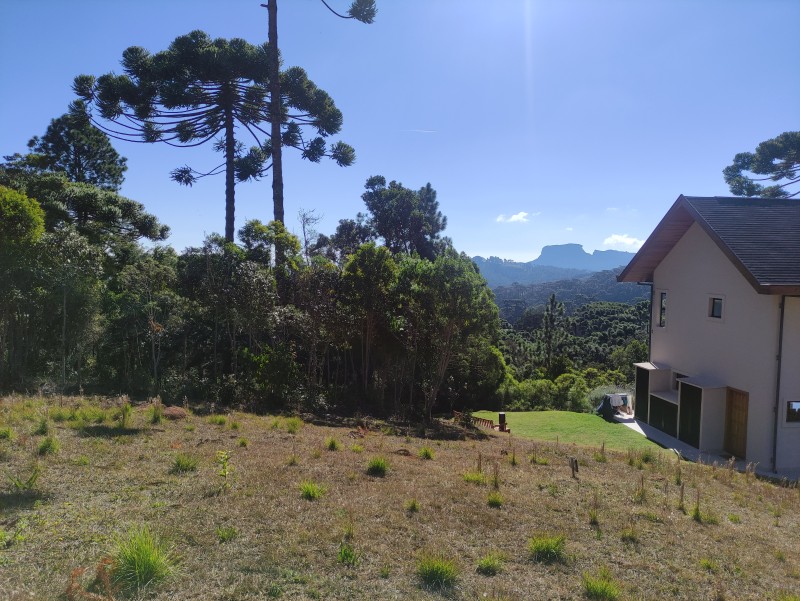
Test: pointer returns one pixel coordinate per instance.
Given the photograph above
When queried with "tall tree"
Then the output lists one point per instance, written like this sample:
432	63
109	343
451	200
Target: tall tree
408	221
361	10
199	89
83	152
778	160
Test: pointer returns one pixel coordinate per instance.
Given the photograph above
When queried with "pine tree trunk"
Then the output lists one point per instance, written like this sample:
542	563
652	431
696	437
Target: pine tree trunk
230	183
275	112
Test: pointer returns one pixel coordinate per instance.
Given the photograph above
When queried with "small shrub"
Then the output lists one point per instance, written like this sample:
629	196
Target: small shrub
243	442
593	517
60	414
629	535
384	571
42	428
602	586
156	412
426	453
436	571
124	416
217	420
734	518
29	483
292	460
140	559
495	500
490	564
49	446
357	448
6	433
347	555
780	556
332	444
225	469
235	425
311	491
377	466
475	478
547	548
183	464
293	425
412	506
226	533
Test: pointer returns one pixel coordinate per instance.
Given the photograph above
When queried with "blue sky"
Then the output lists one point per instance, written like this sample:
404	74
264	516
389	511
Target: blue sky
537	121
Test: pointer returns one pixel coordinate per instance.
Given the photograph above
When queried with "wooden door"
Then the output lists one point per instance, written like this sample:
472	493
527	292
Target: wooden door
736	423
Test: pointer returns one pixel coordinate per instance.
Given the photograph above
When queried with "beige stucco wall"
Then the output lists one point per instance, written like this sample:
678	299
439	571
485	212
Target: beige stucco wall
788	433
739	350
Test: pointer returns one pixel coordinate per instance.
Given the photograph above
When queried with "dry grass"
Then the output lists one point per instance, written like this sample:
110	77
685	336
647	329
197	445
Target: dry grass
105	481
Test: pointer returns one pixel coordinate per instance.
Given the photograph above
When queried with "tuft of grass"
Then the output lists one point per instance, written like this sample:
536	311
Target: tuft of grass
709	565
602	586
293	424
183	464
42	428
347	555
332	444
377	466
234	425
292	460
495	500
356	448
629	535
437	571
226	533
243	442
490	564
474	478
425	453
547	548
49	446
412	505
124	415
311	491
141	558
734	518
6	433
217	420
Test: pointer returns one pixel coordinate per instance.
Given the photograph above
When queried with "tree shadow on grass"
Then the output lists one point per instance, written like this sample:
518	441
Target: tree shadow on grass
21	500
104	431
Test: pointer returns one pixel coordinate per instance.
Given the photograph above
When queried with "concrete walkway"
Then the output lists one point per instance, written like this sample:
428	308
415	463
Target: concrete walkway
690	453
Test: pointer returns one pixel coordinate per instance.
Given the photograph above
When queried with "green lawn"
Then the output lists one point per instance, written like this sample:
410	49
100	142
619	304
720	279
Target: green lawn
584	429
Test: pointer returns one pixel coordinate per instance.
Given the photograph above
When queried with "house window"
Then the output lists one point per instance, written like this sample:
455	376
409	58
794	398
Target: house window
715	307
662	311
793	412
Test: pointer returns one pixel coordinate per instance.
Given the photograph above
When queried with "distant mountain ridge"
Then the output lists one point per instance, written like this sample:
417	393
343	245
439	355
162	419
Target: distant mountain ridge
557	262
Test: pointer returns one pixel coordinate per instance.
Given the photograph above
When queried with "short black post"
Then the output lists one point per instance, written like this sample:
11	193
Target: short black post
501	417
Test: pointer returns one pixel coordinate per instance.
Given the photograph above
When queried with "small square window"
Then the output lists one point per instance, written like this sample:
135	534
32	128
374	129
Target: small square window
715	307
793	411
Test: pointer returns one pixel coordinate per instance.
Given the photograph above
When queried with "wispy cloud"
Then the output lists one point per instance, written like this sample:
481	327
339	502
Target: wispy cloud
612	209
623	241
569	229
521	217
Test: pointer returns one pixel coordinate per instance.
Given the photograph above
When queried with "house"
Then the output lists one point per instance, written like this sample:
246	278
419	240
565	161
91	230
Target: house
724	369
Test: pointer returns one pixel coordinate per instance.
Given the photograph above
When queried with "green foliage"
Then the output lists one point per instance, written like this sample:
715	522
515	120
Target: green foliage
347	555
29	483
183	463
601	587
495	500
226	534
49	446
547	548
490	564
140	558
412	506
437	571
778	160
21	220
217	420
42	428
426	453
311	491
377	466
293	425
225	469
332	444
474	478
7	433
125	414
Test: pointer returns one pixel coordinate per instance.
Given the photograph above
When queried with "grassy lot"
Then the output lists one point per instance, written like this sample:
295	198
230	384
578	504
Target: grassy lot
303	512
579	428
